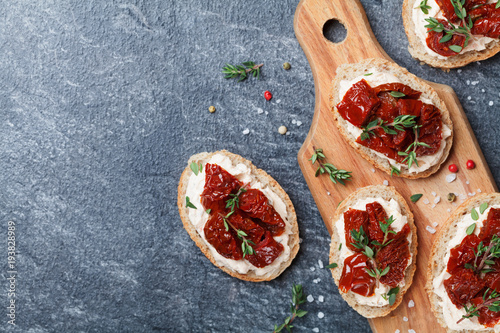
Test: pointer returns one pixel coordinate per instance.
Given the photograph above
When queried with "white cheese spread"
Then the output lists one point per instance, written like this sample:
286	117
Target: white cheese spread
391	208
375	79
477	43
450	312
198	217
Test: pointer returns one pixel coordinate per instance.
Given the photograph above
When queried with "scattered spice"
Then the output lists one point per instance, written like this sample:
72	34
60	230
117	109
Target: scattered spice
211	109
451	197
287	66
282	130
453	168
268	95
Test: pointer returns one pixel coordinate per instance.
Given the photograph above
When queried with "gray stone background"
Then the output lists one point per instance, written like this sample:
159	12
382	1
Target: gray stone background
102	103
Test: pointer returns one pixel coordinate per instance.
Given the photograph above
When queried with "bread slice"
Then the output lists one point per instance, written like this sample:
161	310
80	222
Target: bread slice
438	252
387	193
350	72
262	177
419	52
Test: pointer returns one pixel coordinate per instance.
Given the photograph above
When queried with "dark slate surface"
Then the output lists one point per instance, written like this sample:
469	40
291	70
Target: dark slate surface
102	103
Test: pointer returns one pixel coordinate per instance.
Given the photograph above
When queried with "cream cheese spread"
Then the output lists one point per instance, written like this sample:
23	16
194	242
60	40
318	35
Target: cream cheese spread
375	79
198	217
450	312
391	208
477	43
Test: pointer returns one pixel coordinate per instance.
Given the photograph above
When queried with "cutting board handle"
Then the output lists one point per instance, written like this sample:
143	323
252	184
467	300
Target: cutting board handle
360	42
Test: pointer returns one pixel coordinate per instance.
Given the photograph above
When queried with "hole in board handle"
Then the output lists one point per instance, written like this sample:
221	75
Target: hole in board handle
334	31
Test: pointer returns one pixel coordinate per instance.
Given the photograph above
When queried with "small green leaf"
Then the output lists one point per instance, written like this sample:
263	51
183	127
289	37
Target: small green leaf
474	214
208	211
368	74
456	48
397	94
332	265
190	204
340	246
484	205
471	229
392	299
195	168
368	252
414	198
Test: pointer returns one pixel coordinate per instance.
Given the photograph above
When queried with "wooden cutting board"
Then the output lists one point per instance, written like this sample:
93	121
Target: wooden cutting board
324	57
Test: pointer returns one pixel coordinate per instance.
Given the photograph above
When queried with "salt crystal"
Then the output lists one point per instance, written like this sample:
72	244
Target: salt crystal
299	123
312	269
246	131
434	224
321	315
320	263
267	113
373	170
328	193
316	280
321	298
468	82
459	71
405	318
482	90
478	190
411	331
287	133
433	206
430	229
310	298
433	193
294	121
386	182
451	177
300	240
397	331
260	111
315	330
490	103
467	182
278	101
449	210
426	201
474	83
437	200
469	98
478	62
411	304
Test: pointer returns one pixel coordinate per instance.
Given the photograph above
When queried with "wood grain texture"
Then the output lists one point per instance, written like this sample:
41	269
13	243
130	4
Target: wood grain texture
324	58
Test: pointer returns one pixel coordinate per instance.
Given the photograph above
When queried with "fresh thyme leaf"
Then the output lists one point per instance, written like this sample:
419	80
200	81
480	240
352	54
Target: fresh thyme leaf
249	68
368	74
395	170
456	48
414	198
195	168
335	175
497	5
424	7
340	246
490	301
474	214
332	265
471	229
484	205
190	204
298	298
397	94
208	211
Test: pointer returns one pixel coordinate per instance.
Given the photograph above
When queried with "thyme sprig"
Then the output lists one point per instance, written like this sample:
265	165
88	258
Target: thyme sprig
391	295
399	123
491	301
248	68
385	229
298	298
235	199
336	175
411	151
424	7
484	255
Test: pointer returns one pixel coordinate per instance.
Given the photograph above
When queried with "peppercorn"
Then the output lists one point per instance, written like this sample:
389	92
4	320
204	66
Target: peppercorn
211	109
282	130
287	66
268	95
470	164
451	197
453	168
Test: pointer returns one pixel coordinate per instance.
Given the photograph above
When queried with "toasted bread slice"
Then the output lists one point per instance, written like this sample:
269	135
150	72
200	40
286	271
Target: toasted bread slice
351	71
419	51
387	193
439	250
268	182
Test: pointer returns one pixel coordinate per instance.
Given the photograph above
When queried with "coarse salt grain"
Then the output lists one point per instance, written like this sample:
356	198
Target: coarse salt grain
437	200
449	210
397	331
474	83
373	170
287	133
411	331
405	318
246	131
321	298
328	193
299	123
321	315
315	330
312	269
260	111
386	182
426	201
430	229
451	177
478	190
411	304
300	240
310	298
468	82
294	121
320	263
482	90
459	71
316	280
267	113
433	193
467	182
490	103
433	206
434	224
469	98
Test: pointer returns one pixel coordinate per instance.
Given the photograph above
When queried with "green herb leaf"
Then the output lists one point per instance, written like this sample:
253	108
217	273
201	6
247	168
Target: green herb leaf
368	74
332	265
242	72
335	175
397	94
474	214
484	205
190	204
208	211
395	170
195	168
340	246
456	48
414	198
471	229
